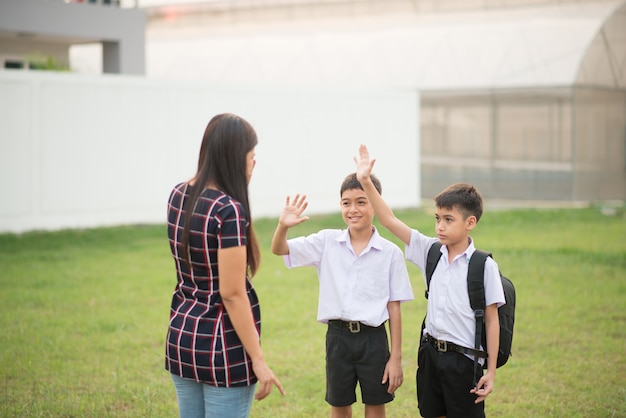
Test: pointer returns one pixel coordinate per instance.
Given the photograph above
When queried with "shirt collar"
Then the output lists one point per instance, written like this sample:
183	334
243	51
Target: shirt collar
375	239
468	251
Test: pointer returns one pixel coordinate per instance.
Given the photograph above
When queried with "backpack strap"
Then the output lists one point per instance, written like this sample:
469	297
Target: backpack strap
434	254
476	290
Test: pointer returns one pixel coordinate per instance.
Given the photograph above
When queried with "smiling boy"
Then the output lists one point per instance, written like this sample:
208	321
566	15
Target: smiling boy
362	281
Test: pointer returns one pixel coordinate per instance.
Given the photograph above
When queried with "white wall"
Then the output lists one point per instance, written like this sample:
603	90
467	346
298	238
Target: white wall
84	151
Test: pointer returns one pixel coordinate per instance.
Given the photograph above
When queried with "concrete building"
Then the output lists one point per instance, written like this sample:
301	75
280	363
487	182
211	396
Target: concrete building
32	31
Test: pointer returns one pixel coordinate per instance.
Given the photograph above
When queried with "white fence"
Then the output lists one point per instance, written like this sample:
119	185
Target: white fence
84	151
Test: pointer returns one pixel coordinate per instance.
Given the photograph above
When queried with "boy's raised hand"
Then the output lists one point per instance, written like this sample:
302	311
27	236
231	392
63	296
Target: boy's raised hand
292	212
363	164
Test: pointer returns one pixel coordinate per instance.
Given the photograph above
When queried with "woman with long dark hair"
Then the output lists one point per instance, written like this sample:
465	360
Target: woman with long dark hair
213	349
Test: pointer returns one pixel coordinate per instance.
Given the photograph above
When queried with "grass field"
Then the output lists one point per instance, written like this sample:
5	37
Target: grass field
84	313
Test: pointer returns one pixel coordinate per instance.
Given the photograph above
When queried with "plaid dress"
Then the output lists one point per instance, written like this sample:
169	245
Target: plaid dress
201	342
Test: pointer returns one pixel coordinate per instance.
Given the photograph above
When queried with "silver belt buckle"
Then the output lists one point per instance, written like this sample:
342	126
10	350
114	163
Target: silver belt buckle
354	327
442	345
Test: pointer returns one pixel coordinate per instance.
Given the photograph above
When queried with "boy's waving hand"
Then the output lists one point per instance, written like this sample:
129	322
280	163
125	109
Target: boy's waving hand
290	216
292	212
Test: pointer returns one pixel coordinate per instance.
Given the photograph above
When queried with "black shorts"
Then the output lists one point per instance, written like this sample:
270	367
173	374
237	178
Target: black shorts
356	357
444	381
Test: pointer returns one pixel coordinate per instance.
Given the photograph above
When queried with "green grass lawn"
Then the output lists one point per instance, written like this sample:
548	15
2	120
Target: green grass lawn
84	313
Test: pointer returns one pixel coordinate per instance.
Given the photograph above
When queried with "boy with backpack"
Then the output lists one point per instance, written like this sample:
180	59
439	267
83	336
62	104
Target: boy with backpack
446	360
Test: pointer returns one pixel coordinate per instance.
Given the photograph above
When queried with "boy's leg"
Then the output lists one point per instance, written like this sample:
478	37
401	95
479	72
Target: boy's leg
341	376
430	399
370	357
444	380
341	412
375	411
458	371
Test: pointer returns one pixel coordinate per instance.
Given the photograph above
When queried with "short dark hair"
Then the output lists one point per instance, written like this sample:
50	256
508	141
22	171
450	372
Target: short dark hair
465	197
351	183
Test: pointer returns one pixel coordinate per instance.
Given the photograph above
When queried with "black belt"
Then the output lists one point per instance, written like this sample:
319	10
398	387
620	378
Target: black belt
353	327
443	346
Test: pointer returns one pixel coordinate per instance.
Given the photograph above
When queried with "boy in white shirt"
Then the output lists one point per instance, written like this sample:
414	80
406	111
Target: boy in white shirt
363	279
445	371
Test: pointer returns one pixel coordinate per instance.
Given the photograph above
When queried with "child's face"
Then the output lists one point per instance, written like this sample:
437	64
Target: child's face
356	210
451	226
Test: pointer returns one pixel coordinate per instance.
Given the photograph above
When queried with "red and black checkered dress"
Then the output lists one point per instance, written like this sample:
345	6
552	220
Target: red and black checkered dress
201	342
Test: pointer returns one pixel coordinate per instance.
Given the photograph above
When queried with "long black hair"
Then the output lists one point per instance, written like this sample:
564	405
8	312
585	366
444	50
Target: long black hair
222	162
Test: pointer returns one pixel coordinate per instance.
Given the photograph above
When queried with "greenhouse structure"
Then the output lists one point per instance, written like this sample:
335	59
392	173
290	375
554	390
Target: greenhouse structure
525	99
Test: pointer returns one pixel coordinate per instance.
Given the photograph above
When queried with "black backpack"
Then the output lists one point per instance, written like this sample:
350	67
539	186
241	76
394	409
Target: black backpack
476	290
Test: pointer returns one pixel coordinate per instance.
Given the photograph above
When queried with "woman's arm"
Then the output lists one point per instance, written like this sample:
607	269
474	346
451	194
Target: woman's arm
232	268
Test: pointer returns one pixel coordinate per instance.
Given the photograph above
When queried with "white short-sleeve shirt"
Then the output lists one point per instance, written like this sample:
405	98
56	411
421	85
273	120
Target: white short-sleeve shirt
450	316
353	288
